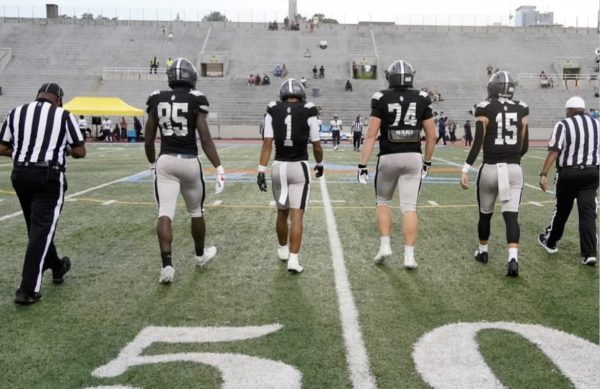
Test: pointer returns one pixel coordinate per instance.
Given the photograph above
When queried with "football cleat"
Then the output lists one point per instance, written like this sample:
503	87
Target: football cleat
209	253
384	252
481	256
293	266
283	253
24	298
590	261
512	268
543	241
410	263
167	275
58	276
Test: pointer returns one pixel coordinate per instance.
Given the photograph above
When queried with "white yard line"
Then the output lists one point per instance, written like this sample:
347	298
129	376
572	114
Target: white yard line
69	197
109	202
357	357
431	202
217	202
536	203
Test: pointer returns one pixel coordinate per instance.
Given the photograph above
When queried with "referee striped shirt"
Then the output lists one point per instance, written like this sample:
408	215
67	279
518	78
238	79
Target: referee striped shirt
39	132
576	140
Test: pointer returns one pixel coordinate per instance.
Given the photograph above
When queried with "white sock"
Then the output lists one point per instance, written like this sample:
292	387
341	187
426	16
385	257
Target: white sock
409	251
384	241
293	257
285	246
513	253
483	248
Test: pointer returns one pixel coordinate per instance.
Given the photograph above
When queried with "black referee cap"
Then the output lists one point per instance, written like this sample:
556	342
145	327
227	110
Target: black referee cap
52	87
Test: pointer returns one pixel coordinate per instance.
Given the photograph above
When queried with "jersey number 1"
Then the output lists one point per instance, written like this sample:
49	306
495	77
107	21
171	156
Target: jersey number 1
288	131
506	124
171	119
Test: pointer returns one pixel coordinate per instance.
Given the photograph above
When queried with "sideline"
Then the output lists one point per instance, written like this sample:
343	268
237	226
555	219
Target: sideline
357	357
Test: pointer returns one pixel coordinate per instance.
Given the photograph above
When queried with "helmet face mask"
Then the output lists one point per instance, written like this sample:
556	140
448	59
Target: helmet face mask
182	73
400	74
501	84
292	88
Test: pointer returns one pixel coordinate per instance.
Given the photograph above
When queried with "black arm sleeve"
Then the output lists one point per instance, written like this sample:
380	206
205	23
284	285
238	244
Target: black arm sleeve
477	143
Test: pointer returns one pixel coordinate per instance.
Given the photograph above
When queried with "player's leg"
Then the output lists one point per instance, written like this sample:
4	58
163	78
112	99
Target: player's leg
510	213
386	179
299	189
487	191
282	230
281	196
409	184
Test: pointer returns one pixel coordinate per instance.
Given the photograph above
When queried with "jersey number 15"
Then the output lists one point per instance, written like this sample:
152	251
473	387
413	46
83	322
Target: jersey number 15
506	125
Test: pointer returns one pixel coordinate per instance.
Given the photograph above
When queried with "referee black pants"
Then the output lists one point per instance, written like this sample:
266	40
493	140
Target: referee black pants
356	139
41	193
581	184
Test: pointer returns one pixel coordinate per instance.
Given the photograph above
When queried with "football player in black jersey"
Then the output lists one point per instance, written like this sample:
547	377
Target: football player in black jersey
179	113
399	113
291	124
501	129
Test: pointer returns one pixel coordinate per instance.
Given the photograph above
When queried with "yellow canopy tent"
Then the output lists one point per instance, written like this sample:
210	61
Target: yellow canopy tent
101	106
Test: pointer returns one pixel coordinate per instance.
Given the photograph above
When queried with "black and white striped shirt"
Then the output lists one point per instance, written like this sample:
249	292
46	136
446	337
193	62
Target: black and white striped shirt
39	132
576	140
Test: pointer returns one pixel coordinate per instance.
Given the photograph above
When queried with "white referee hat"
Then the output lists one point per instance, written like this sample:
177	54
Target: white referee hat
575	102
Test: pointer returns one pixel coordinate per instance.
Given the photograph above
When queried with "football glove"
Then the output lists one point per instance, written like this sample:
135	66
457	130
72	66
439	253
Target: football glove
220	180
319	169
426	166
261	181
363	174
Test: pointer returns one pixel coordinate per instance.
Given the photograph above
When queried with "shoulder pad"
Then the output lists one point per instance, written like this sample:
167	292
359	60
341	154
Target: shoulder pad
309	105
272	104
423	94
196	92
377	95
523	104
483	104
156	92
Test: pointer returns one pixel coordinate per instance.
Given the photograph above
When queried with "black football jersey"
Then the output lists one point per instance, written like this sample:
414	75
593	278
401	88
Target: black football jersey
402	112
503	139
177	111
291	131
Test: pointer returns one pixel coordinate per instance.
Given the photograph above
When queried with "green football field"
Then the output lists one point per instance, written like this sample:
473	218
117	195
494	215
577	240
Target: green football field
244	322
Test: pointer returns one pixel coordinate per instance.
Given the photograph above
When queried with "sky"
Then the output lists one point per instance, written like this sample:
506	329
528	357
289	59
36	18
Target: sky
582	13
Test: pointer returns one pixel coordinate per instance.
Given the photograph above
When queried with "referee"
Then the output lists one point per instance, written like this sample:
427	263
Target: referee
37	136
573	146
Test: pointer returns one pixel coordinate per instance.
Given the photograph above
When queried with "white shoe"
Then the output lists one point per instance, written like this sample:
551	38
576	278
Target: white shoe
283	253
209	253
590	261
384	252
410	263
293	266
167	274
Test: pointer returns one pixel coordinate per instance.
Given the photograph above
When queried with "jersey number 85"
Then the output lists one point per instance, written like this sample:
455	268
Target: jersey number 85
172	118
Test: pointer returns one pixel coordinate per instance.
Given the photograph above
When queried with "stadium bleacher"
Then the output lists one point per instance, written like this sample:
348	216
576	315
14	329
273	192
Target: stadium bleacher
451	60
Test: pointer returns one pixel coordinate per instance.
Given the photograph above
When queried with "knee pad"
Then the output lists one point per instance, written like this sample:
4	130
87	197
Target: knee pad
382	201
483	226
513	231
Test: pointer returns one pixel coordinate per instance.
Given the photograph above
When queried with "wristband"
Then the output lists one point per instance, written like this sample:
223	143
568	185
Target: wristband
262	169
319	164
361	166
542	174
465	168
220	170
427	163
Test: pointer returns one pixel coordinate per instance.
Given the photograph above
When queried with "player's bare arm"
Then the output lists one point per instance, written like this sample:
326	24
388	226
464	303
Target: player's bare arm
150	136
206	141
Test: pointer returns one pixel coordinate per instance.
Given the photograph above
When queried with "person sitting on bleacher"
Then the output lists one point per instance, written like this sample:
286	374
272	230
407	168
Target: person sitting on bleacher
277	71
266	80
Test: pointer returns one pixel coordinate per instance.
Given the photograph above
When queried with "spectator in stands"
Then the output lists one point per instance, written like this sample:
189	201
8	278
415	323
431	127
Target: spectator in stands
594	113
169	62
164	31
303	81
116	133
321	72
354	70
544	80
307	53
277	72
257	79
251	80
286	23
323	44
266	80
468	134
284	71
154	65
489	70
123	125
137	125
348	87
170	36
273	26
315	71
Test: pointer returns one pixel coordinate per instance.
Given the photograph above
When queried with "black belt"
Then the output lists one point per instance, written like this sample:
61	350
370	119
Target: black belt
45	164
578	167
184	156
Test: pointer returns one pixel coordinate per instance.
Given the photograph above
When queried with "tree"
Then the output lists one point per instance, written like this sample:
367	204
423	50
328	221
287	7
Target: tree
322	19
215	16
